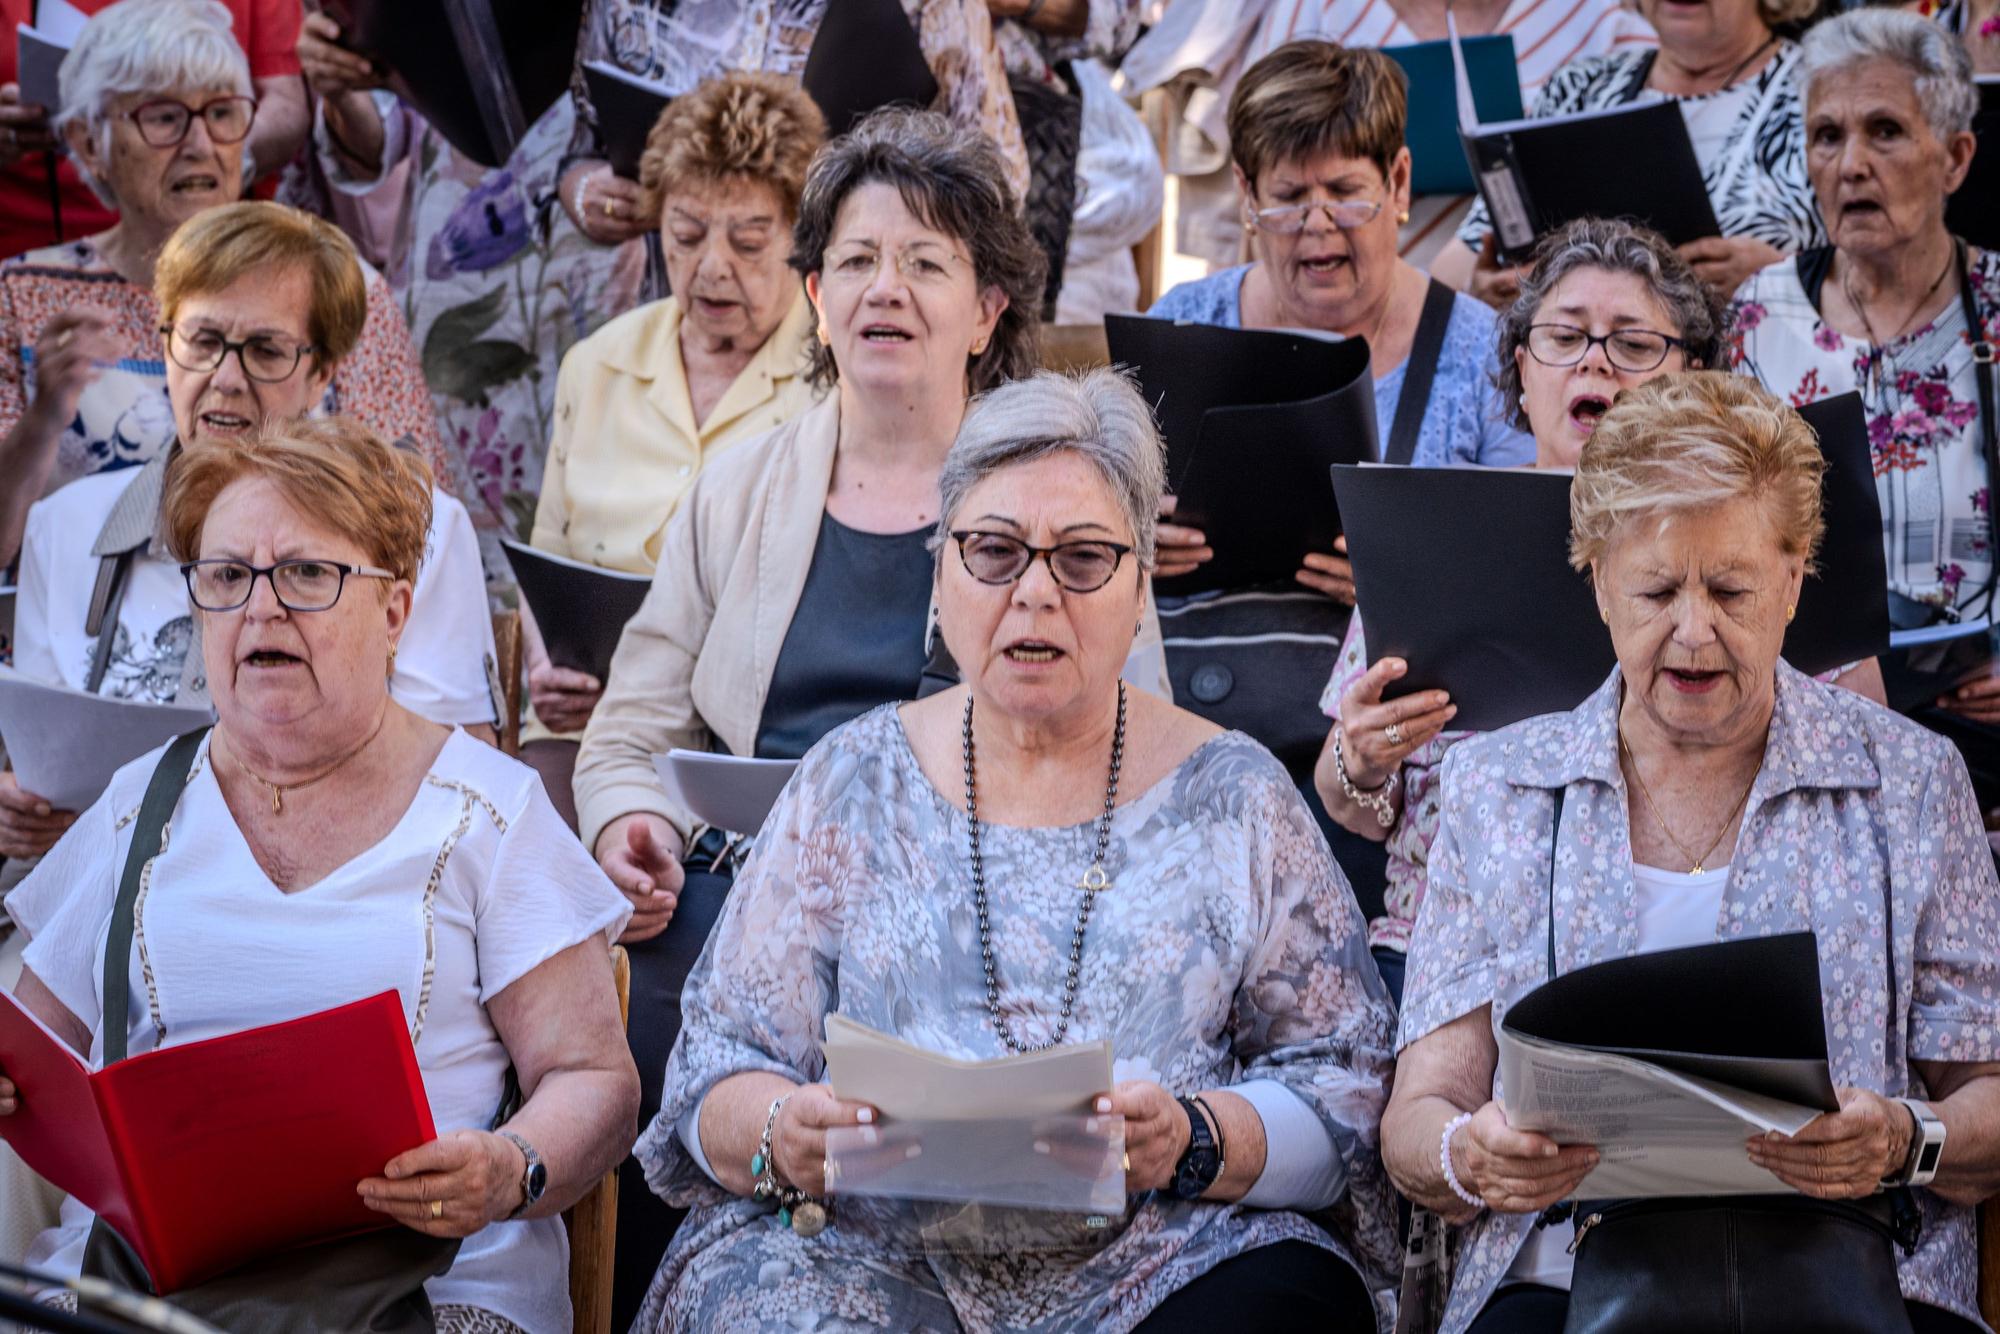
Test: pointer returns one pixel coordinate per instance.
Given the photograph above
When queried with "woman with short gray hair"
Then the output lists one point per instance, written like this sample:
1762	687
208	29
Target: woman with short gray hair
1900	311
1032	857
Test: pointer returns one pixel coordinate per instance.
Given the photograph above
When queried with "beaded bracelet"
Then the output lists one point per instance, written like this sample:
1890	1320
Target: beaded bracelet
796	1209
1451	1128
1380	800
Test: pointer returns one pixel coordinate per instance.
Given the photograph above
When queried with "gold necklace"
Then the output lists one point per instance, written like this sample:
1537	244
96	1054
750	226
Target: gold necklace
278	790
1695	868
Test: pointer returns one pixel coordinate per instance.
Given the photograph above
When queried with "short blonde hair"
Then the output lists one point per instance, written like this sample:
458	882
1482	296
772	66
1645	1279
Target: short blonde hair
219	246
1693	440
335	469
1313	97
740	127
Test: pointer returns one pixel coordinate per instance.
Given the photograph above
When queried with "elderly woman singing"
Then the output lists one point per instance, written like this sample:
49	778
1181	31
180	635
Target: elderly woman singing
1707	791
329	845
1214	943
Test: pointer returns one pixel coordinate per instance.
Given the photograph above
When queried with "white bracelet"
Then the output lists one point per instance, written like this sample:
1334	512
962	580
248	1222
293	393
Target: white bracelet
1451	1128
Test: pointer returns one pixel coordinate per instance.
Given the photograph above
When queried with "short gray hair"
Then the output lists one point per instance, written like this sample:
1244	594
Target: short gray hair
1097	415
1699	316
1935	60
146	46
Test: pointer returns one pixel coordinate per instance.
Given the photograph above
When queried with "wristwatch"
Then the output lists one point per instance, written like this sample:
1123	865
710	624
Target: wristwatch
534	1176
1926	1146
1202	1163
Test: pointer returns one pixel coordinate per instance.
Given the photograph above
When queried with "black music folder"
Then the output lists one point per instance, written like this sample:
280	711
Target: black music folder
1464	572
1973	211
1925	664
1252	418
866	56
480	71
627	108
580	609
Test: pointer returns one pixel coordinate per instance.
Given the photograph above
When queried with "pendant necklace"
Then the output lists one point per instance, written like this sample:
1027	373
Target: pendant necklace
278	790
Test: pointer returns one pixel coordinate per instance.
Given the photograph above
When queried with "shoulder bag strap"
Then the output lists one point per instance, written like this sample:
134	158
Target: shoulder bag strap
1418	372
1989	428
162	795
1555	842
106	598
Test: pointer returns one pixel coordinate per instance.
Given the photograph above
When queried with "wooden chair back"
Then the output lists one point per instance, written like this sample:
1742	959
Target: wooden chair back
1989	1261
507	662
593	1220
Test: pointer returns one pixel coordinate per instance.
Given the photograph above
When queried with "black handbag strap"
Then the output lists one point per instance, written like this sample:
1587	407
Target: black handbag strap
1555	839
1418	372
1989	426
107	597
163	793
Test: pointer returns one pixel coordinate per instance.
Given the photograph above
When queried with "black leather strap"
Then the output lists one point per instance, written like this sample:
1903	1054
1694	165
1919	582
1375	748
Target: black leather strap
1418	372
107	597
1555	842
1989	427
162	795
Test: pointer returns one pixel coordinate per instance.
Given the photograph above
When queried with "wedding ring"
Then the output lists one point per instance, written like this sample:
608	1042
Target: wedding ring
1394	731
609	211
437	1208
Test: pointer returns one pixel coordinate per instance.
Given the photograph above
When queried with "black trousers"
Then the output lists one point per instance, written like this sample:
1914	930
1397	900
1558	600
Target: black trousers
1286	1285
1528	1308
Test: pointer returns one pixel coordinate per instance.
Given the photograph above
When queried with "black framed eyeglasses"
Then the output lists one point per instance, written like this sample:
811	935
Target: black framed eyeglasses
1562	345
164	121
1077	567
264	359
302	584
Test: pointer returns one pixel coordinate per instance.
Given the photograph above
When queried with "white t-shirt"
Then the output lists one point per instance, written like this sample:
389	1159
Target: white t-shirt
230	951
441	663
1675	909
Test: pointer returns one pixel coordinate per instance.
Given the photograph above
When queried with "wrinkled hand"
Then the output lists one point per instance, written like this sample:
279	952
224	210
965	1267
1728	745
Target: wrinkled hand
1365	717
331	70
798	1139
641	853
1330	573
604	205
1178	549
563	699
450	1187
73	347
1494	283
1156	1132
1723	262
24	127
29	826
1841	1155
1516	1171
1976	700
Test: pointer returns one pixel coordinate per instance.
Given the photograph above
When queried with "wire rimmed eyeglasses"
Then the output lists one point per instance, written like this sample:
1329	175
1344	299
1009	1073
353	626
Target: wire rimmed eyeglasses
1290	219
1563	345
264	359
1077	567
301	584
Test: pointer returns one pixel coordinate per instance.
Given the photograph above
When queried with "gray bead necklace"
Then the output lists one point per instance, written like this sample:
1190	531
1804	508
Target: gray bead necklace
1094	882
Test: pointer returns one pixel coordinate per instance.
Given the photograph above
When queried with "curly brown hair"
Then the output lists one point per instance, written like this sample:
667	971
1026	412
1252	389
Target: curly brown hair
757	127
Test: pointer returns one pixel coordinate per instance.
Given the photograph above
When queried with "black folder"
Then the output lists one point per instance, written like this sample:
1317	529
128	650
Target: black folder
1629	162
866	56
1973	212
1745	1013
1253	419
480	71
1923	665
580	609
1437	163
627	108
1464	572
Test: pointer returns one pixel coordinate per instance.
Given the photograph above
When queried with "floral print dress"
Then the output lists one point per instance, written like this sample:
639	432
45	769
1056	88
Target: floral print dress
1228	950
1922	401
1855	811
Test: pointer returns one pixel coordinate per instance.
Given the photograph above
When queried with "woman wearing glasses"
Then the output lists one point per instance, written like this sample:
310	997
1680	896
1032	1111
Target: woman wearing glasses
328	845
1606	307
157	115
1039	855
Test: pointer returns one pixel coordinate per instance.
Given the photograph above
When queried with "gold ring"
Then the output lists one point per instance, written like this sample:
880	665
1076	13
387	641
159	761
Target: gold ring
437	1208
609	211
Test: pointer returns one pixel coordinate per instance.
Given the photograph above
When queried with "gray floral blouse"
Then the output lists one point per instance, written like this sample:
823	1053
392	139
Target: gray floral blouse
1855	809
1228	949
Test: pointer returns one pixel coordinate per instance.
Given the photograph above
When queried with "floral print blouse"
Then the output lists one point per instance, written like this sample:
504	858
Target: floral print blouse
1922	401
1229	949
1855	809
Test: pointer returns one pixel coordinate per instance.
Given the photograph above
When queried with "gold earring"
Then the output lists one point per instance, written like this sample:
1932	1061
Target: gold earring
979	348
1604	615
392	659
1790	612
821	334
1404	216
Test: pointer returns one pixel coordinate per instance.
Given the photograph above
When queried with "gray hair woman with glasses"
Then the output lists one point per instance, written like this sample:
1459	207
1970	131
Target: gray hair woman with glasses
1036	856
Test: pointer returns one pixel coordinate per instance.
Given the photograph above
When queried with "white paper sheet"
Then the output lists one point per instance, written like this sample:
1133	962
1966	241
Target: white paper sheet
64	744
731	792
905	1081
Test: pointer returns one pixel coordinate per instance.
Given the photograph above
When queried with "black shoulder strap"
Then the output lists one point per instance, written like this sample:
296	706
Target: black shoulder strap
1989	425
1814	267
1555	842
1418	372
107	597
162	795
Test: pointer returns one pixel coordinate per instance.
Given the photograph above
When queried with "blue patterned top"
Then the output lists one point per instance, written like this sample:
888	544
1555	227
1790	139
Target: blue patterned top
1465	423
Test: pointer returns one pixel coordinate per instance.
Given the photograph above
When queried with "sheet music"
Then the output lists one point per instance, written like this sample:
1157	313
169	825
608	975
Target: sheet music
900	1079
66	744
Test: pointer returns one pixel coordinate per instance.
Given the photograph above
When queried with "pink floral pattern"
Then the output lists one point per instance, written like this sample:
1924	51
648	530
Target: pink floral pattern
1854	806
1228	949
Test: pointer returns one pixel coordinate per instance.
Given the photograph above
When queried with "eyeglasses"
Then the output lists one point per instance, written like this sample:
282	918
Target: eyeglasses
1077	567
921	263
1628	349
301	585
1290	219
164	122
264	359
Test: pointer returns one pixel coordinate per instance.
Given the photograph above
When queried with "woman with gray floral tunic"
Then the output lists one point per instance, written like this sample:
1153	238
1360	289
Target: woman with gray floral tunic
1709	792
1220	952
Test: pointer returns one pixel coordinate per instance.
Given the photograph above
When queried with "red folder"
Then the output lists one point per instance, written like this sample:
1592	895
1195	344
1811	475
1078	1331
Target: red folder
212	1154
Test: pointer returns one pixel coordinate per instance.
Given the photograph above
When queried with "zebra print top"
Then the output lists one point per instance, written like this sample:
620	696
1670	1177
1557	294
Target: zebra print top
1756	173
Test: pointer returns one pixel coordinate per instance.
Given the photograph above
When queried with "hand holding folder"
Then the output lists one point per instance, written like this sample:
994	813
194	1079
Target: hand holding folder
580	609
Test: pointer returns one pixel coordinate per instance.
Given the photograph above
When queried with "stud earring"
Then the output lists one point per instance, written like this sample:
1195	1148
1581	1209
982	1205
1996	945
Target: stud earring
979	348
1790	612
1404	216
1604	615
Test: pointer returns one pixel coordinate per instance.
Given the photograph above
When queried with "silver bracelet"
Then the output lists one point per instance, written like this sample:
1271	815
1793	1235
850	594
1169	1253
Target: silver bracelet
1380	800
1452	1127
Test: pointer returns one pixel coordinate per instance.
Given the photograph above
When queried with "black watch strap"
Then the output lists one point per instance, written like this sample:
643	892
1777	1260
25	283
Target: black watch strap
1202	1163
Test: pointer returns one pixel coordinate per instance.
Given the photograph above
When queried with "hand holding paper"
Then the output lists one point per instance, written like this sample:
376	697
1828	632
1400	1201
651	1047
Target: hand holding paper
29	825
1516	1171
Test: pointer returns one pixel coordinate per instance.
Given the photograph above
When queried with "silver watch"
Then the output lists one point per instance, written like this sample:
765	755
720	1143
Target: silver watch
1926	1146
534	1176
